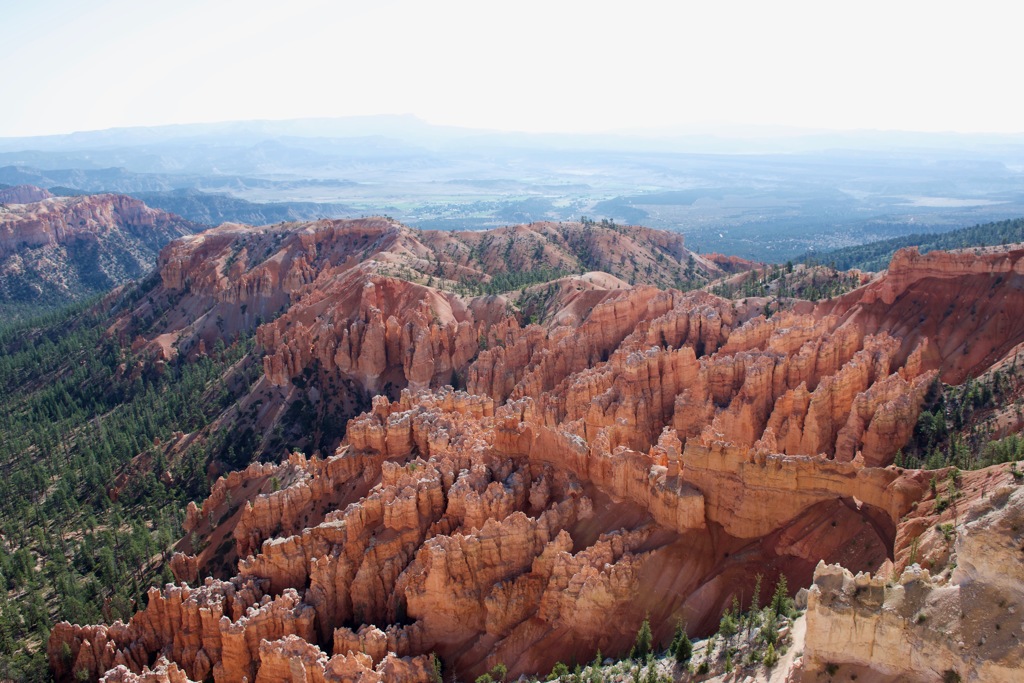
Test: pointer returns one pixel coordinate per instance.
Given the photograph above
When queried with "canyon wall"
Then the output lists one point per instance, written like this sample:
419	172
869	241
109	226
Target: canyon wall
59	249
644	452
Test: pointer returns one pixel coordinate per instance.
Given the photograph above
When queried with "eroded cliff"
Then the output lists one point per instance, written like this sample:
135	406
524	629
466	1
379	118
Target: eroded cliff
961	625
643	452
56	249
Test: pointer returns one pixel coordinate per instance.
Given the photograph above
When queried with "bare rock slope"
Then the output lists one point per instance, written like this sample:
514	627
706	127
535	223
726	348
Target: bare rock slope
57	249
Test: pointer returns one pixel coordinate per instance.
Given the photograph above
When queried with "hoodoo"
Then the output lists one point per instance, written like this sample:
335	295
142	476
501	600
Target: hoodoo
529	461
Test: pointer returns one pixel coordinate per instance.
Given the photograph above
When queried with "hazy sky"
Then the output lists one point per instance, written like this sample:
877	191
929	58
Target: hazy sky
537	66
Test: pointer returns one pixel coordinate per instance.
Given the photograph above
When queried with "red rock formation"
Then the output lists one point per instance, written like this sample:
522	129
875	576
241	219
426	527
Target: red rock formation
70	247
353	311
731	264
962	302
214	628
162	672
467	539
23	194
57	220
294	660
642	452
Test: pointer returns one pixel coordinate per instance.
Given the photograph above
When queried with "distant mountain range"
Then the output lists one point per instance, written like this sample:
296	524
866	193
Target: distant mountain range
409	130
93	180
175	195
768	194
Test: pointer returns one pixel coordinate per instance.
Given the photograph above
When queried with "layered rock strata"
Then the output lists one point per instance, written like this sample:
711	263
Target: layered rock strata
967	626
643	453
61	248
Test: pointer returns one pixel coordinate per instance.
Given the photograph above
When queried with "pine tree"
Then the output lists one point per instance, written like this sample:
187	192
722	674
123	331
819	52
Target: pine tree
595	668
771	657
437	668
558	671
770	630
652	671
727	625
781	602
754	613
643	642
755	601
682	647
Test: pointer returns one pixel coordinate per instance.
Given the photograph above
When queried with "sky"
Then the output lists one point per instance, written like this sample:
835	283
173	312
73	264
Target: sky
550	66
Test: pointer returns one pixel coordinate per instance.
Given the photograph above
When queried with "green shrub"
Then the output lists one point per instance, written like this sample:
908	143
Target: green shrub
558	671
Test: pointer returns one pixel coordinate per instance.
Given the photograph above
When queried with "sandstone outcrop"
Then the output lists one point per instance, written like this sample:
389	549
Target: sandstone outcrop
56	220
162	672
961	301
919	628
63	248
23	194
482	547
641	452
346	309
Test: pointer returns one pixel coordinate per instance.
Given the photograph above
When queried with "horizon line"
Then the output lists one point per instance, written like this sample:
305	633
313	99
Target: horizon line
707	129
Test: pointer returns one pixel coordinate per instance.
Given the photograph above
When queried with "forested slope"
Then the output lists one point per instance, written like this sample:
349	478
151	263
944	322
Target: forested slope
875	256
81	540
